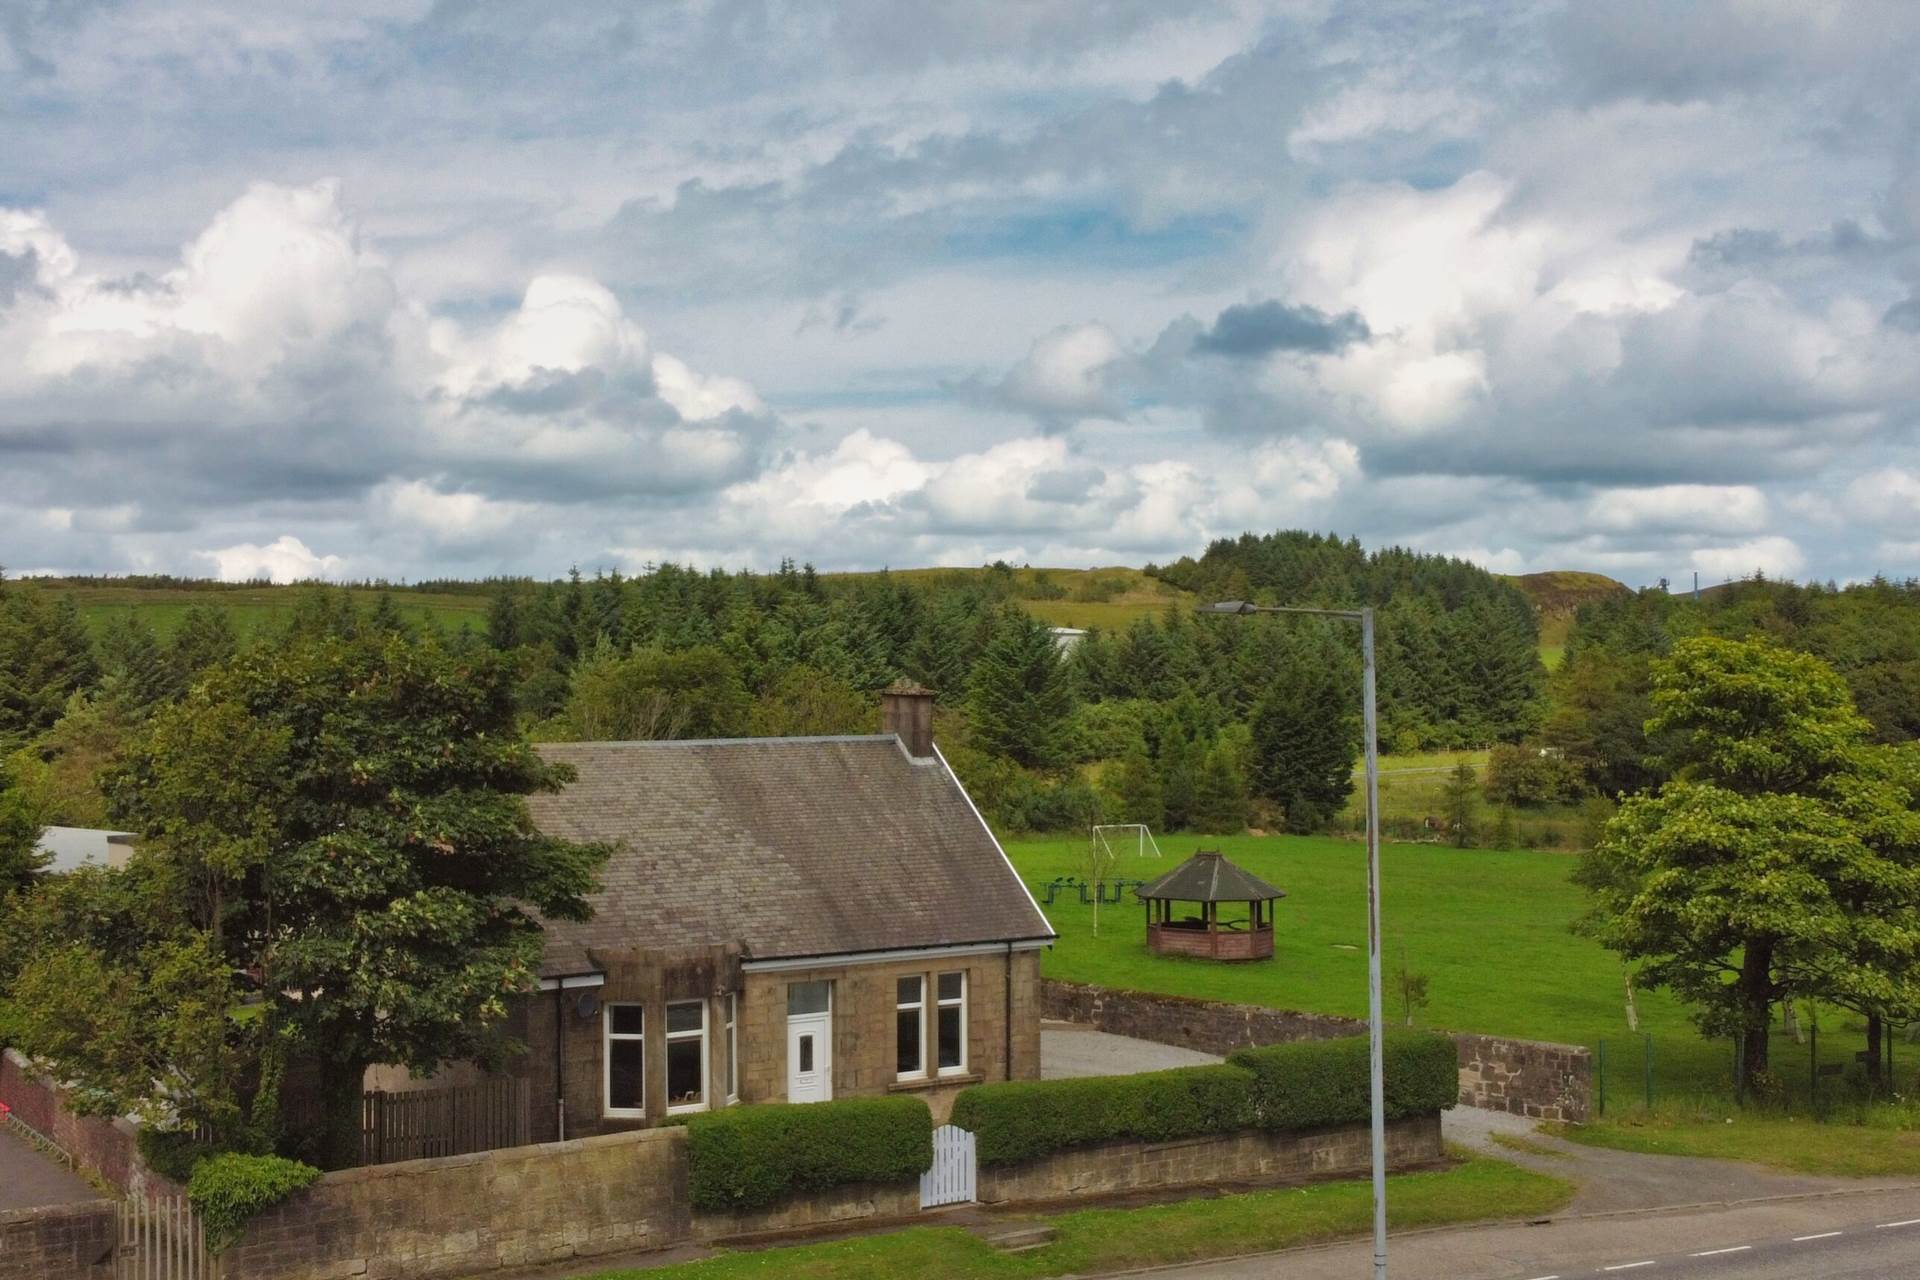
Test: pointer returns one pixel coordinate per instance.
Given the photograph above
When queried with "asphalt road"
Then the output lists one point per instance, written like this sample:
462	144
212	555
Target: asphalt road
1861	1234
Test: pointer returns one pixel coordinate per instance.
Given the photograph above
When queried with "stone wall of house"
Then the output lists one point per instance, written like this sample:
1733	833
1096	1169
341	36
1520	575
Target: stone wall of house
464	1215
1249	1157
59	1242
103	1145
863	1033
1527	1077
1524	1077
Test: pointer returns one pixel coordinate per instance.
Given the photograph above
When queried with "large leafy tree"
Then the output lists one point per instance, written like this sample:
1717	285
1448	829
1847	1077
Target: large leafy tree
1021	693
366	850
1781	860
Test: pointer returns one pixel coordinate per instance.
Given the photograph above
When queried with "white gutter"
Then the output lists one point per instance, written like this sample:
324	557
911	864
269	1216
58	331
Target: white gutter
789	964
574	983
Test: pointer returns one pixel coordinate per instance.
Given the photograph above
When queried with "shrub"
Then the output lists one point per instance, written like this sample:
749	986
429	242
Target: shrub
228	1190
172	1153
1024	1119
753	1157
1312	1084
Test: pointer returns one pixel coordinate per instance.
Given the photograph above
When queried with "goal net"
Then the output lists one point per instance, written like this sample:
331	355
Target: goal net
1111	839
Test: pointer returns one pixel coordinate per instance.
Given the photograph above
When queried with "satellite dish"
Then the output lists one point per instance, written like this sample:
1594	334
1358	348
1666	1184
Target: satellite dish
587	1005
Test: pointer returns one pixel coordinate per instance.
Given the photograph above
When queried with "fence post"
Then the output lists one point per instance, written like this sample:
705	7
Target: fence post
1646	1059
1600	1071
1813	1067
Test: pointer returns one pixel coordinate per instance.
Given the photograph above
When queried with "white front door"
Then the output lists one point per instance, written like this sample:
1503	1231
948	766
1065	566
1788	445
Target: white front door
809	1057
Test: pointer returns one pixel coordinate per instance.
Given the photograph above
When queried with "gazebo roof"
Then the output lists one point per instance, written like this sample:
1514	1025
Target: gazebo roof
1209	877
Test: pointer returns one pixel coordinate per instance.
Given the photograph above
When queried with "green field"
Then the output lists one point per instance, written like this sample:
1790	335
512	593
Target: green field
1412	797
1489	929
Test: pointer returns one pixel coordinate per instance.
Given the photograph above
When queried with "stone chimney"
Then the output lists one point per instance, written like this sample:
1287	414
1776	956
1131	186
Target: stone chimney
906	709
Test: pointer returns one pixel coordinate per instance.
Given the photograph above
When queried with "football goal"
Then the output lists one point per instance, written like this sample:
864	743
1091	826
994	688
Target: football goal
1111	839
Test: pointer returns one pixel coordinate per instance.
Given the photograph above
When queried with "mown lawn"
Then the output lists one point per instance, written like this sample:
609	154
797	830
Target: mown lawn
1099	1240
1489	929
1888	1145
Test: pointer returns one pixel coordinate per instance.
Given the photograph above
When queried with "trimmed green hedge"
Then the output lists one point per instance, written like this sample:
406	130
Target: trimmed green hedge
228	1190
1311	1084
1022	1119
752	1157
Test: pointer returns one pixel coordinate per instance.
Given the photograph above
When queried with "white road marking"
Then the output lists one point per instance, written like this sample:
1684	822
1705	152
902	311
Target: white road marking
1711	1253
1824	1235
1910	1222
1628	1266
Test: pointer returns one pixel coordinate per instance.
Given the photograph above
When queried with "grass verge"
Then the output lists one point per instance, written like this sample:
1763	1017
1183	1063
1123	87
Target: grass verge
1097	1240
1887	1144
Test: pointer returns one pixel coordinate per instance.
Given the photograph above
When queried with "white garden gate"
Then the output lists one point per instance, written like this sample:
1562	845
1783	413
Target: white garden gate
951	1179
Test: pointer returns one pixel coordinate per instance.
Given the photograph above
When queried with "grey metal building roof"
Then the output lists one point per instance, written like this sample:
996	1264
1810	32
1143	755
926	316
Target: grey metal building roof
790	847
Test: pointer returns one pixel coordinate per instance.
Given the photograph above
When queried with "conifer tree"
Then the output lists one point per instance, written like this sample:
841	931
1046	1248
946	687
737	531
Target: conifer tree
1020	695
1137	795
45	656
1305	743
1220	798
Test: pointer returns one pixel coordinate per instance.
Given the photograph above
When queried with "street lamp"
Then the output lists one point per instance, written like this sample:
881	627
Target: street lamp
1370	727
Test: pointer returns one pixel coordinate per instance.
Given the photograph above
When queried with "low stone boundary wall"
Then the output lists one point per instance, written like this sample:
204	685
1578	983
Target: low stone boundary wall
1250	1157
59	1242
462	1215
103	1145
1525	1077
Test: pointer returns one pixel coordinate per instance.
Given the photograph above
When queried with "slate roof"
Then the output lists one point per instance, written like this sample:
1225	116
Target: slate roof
1209	877
787	846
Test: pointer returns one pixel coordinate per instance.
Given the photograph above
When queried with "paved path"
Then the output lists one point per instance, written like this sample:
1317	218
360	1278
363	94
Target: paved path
29	1179
1067	1050
1863	1234
1620	1181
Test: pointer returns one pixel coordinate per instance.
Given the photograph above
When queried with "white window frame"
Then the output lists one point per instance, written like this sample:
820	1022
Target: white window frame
959	1003
733	1047
706	1085
919	1008
607	1038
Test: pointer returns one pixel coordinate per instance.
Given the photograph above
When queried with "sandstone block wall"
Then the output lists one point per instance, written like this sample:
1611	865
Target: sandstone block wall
58	1242
1248	1157
464	1215
1525	1077
817	1209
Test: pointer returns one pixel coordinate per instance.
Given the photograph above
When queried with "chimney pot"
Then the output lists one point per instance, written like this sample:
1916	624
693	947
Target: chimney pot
906	709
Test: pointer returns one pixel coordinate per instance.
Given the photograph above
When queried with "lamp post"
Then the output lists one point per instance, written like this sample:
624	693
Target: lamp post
1370	728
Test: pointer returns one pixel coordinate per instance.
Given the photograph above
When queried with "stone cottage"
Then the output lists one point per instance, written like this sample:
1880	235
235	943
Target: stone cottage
782	919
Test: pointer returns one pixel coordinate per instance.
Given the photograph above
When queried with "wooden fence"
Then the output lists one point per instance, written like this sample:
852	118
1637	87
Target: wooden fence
444	1122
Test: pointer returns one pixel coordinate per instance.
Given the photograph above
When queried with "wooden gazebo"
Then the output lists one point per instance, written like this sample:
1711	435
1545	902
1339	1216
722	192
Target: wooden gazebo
1210	880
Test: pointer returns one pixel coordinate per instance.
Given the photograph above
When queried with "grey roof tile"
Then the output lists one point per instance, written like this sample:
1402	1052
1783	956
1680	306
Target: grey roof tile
787	846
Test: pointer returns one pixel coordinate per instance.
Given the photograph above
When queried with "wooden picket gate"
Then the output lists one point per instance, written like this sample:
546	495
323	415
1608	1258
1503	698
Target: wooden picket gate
951	1180
160	1239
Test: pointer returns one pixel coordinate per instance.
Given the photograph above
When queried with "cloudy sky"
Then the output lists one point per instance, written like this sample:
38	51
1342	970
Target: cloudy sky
397	288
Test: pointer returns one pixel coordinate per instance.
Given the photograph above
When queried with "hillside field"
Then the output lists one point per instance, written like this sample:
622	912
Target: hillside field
1490	930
